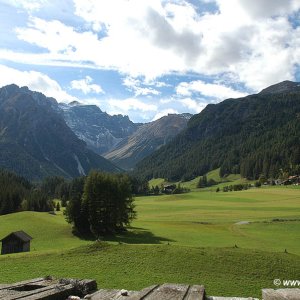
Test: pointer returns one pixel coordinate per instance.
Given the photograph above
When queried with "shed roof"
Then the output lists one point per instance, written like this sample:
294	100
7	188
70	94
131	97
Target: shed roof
23	236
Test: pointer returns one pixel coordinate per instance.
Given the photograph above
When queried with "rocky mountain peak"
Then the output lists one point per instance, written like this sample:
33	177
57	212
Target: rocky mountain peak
98	129
74	103
35	140
12	90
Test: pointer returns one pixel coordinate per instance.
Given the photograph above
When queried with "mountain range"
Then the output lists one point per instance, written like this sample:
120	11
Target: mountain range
40	137
99	130
252	136
146	139
36	142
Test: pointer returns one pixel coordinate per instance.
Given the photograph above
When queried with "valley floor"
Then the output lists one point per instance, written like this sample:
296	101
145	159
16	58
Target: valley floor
234	243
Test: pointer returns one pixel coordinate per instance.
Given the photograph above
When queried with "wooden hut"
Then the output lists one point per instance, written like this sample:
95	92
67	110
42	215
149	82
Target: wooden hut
18	241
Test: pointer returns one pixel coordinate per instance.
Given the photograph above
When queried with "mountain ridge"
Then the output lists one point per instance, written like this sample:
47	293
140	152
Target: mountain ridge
282	87
35	141
99	130
254	135
146	139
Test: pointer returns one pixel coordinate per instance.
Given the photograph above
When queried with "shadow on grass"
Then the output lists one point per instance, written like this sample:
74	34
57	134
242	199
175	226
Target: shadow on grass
136	235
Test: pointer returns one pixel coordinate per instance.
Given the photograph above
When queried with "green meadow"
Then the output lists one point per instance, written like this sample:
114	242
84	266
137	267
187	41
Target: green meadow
188	238
208	219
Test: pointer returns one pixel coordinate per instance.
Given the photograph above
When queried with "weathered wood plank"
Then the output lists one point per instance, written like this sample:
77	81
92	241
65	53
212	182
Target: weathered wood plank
30	281
280	294
140	294
229	298
82	286
168	291
104	295
38	293
47	289
54	293
90	285
195	292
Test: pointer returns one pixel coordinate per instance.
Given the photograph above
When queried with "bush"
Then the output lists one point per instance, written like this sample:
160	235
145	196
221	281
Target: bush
257	184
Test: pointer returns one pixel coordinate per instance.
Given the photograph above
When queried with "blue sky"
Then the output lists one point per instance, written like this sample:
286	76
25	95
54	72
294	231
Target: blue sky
148	58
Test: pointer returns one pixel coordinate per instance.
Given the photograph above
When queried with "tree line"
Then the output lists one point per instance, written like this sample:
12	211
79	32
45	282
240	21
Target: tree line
97	204
18	194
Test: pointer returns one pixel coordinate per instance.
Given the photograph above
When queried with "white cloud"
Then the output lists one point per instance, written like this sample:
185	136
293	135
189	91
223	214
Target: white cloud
166	100
254	41
135	85
163	113
145	91
131	104
134	43
193	105
85	85
35	81
131	83
212	90
60	40
158	84
268	8
29	5
245	38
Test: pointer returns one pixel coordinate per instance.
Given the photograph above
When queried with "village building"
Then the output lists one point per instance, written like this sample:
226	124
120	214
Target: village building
168	189
295	179
18	241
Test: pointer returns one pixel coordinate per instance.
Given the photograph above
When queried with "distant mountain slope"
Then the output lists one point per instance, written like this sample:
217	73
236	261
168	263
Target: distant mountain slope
36	142
148	138
257	134
99	130
282	87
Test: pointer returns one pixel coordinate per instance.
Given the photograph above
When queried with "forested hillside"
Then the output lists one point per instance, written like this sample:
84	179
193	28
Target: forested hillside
16	194
258	134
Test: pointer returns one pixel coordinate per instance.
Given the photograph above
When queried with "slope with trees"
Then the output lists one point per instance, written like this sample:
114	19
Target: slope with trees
255	135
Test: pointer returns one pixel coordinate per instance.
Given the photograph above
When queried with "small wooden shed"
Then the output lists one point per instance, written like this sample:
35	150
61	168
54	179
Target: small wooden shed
18	241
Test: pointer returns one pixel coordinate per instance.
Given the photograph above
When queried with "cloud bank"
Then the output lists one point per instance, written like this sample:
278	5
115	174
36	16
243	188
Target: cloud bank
231	49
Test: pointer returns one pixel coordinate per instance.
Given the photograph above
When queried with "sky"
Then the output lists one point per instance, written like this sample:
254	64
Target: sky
148	58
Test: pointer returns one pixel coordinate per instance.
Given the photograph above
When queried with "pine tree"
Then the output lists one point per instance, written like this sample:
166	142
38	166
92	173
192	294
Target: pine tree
101	204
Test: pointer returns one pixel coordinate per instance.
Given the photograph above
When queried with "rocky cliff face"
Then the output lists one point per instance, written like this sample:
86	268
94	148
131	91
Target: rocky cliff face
99	130
148	138
36	142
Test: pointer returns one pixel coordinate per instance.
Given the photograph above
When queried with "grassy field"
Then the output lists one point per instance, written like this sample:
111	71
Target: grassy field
188	238
226	271
208	219
49	232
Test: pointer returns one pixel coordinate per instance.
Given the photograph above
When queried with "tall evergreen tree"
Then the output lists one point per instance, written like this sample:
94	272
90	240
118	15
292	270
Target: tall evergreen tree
100	204
76	211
